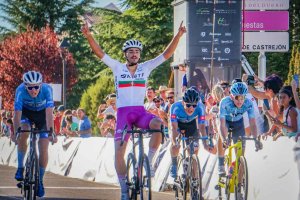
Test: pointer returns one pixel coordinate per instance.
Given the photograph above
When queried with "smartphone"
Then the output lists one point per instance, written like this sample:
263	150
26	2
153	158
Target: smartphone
296	78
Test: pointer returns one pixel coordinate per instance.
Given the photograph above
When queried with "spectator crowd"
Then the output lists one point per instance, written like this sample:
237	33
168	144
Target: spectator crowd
278	116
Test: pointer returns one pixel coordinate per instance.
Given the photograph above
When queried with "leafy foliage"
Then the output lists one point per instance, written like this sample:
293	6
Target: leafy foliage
32	50
91	98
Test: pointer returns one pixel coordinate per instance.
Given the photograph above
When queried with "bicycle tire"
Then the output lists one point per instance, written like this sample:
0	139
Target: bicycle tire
131	176
181	193
145	179
242	172
195	178
25	185
36	176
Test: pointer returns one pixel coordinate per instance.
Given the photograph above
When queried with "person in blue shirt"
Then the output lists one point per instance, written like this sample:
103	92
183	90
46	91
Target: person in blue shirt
185	115
33	104
84	125
231	113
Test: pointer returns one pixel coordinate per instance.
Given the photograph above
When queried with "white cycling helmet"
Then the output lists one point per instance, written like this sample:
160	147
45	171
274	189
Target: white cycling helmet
239	88
32	77
132	44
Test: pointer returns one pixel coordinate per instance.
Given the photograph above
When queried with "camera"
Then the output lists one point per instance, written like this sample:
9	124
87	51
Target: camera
250	80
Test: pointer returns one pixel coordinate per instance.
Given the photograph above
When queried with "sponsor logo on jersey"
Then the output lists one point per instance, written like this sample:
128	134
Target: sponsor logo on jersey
202	117
173	116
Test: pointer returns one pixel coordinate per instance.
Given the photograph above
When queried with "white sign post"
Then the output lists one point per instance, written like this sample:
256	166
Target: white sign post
266	4
266	41
57	89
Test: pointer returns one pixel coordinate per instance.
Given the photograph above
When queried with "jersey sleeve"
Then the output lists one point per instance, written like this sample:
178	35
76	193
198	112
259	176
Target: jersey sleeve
49	97
173	113
111	63
153	63
18	104
222	110
250	109
201	113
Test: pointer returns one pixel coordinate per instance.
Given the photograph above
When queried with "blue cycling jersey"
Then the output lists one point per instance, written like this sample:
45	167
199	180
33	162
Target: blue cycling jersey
178	113
232	113
43	100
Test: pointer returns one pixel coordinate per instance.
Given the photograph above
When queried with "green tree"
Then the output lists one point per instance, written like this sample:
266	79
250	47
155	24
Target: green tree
92	97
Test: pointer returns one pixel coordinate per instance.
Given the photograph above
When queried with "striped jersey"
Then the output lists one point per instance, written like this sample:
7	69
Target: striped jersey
131	90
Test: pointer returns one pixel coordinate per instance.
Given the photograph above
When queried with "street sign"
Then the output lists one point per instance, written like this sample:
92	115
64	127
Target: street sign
266	4
265	41
266	21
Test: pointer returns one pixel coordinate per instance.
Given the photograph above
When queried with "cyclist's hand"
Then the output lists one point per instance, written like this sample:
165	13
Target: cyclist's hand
258	145
181	29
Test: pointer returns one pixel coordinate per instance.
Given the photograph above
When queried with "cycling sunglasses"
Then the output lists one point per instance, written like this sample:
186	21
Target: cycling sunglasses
36	87
240	98
189	105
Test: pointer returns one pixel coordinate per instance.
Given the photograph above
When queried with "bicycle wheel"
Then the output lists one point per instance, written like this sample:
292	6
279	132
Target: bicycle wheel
36	180
131	176
241	189
25	185
145	179
195	178
227	188
181	184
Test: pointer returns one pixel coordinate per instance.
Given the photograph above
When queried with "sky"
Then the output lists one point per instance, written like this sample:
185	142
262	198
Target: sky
98	3
102	3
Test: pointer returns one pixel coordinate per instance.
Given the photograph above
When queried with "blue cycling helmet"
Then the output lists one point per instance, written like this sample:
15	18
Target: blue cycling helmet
191	96
239	89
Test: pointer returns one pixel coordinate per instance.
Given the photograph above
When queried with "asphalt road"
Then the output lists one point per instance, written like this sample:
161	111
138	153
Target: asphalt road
63	188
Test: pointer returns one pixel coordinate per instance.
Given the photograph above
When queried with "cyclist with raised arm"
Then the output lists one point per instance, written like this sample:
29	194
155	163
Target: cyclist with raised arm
33	104
188	116
231	113
130	83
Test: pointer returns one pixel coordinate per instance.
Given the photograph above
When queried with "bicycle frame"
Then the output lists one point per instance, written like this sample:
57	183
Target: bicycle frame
32	176
238	147
137	184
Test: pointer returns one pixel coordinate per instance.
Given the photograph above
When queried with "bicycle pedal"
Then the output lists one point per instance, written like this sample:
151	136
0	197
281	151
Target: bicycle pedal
217	187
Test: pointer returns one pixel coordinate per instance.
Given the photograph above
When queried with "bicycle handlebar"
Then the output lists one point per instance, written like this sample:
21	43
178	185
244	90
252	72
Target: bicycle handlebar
141	131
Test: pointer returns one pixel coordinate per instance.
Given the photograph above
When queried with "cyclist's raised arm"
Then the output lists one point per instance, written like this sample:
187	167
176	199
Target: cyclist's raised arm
173	44
257	94
93	44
